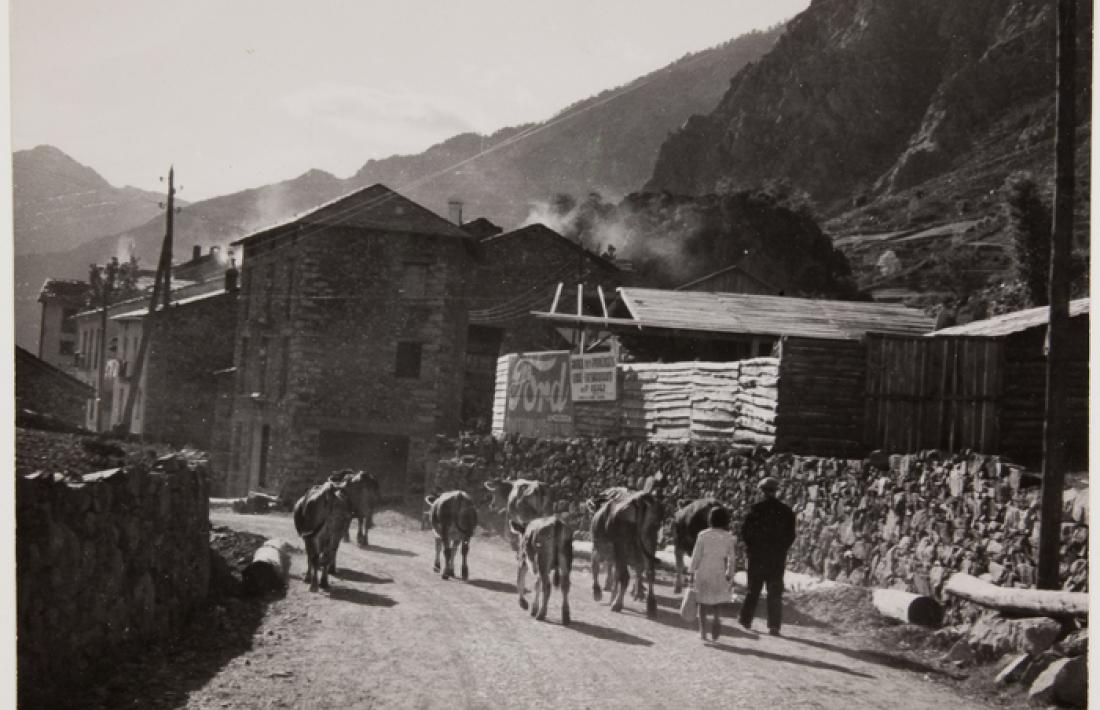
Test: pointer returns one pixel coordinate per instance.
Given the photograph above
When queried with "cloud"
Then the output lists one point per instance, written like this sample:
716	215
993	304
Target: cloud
376	116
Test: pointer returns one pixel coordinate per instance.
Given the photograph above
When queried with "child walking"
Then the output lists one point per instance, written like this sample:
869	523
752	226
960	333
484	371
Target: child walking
713	564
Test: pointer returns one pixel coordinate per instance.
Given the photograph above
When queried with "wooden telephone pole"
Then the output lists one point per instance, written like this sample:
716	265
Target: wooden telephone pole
162	284
1054	440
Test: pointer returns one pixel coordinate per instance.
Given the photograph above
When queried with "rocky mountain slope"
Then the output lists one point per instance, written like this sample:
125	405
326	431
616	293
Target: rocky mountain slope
59	203
888	113
606	143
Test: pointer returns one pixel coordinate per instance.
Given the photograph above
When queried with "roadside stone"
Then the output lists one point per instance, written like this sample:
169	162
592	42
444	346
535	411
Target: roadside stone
1076	644
1064	681
1037	666
1015	668
994	635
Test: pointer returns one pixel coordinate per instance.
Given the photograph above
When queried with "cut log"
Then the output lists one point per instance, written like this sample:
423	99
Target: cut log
1036	602
269	569
908	608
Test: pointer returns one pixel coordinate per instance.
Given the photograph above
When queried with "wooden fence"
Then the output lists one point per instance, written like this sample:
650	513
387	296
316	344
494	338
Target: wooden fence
933	393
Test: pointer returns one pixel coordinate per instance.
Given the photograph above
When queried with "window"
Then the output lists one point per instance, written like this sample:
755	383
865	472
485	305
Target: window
242	368
414	282
67	347
284	370
261	375
408	360
68	324
269	286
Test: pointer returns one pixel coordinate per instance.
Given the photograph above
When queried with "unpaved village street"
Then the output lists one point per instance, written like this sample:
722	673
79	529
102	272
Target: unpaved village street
392	634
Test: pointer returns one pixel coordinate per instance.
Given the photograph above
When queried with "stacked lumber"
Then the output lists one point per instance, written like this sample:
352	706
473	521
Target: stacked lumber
698	401
500	392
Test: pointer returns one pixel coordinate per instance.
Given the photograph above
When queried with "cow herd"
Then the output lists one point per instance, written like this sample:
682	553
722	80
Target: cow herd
625	527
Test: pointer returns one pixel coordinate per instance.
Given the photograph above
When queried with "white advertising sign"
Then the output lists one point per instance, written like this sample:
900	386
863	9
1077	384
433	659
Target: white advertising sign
592	377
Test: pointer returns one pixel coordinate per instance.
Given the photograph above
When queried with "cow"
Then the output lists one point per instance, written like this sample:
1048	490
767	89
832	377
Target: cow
521	500
321	516
687	523
364	494
624	530
453	518
547	546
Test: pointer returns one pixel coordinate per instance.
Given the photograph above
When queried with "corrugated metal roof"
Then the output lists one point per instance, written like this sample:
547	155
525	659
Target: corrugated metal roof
770	315
1010	323
375	207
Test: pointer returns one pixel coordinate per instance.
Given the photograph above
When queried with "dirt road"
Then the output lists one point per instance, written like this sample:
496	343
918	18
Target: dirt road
392	634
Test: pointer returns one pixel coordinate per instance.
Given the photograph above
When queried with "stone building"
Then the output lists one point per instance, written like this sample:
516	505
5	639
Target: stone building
61	299
350	341
518	272
191	341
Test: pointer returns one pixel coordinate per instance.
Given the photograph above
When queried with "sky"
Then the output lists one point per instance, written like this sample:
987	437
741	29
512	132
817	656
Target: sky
241	93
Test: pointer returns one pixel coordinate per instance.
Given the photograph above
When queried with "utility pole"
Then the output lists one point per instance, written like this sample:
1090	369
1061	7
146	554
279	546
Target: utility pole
102	280
162	283
166	251
1054	443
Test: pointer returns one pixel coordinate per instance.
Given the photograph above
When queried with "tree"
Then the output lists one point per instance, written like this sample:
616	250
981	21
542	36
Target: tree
957	269
1029	222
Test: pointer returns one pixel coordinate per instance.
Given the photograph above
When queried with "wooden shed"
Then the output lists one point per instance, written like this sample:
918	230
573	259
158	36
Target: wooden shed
819	345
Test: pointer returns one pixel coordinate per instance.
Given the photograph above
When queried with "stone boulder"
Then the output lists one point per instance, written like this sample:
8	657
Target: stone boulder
1076	644
994	635
1064	681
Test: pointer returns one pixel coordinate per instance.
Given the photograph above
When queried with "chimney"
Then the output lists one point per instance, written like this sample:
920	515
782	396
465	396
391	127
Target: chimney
232	276
196	252
454	211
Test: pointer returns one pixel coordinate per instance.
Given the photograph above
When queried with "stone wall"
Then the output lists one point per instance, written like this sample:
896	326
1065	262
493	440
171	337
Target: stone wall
104	562
901	522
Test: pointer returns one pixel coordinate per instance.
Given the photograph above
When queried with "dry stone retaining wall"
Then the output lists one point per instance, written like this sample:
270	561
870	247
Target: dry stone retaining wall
104	561
901	522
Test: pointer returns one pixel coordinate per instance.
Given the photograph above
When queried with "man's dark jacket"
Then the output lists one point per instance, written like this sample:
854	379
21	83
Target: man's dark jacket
768	532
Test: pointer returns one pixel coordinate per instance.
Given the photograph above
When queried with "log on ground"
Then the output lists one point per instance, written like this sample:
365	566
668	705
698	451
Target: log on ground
1036	602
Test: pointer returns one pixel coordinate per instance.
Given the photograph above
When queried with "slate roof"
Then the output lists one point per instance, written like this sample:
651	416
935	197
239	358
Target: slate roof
375	207
69	289
752	314
1010	323
539	230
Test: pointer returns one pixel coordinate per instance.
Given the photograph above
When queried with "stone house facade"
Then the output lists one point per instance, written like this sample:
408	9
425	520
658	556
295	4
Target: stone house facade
350	341
61	300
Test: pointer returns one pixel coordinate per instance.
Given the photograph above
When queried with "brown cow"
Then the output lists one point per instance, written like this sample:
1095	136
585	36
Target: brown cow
689	521
548	549
321	516
454	519
593	504
625	530
364	494
521	500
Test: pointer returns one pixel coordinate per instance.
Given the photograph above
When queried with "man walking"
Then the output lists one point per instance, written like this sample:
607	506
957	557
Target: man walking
768	532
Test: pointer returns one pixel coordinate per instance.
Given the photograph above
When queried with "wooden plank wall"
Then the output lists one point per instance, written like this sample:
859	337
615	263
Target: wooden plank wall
821	397
933	393
1024	395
